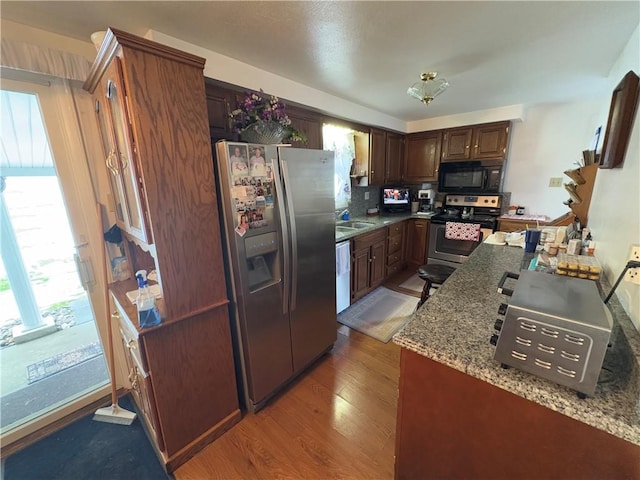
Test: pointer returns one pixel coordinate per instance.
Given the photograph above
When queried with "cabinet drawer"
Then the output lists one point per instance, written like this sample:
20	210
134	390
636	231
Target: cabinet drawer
395	243
395	268
396	228
130	340
367	239
142	392
393	258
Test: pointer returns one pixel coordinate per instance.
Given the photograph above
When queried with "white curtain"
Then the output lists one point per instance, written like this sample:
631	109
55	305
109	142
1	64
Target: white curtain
340	141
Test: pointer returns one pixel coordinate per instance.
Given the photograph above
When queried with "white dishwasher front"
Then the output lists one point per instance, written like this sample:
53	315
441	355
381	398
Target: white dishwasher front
343	276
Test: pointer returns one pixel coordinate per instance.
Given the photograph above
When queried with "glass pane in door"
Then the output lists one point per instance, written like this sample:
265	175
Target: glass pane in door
127	169
50	352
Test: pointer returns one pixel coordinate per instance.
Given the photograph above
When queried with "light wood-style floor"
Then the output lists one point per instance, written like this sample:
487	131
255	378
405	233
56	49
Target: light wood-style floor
337	421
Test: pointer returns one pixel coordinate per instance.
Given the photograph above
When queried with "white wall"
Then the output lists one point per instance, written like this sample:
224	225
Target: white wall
43	38
614	215
546	144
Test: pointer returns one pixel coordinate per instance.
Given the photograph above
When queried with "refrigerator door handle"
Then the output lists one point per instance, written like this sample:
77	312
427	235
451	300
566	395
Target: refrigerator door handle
285	240
294	236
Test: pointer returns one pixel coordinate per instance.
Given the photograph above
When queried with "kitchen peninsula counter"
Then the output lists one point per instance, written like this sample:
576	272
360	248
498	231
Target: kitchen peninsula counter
446	346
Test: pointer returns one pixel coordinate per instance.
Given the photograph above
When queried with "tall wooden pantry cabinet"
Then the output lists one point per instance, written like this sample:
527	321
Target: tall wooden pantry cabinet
151	105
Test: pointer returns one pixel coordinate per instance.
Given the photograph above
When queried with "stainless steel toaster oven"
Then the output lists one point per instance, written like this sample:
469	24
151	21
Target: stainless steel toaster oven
555	327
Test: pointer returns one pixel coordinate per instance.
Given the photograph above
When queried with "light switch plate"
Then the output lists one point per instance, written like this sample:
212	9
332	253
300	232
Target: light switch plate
555	182
366	195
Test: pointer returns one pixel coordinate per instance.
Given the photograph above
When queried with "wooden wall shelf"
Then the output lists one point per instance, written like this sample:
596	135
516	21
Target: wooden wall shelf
584	191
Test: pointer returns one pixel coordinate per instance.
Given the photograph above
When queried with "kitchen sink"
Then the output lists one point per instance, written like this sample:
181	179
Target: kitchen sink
356	225
343	229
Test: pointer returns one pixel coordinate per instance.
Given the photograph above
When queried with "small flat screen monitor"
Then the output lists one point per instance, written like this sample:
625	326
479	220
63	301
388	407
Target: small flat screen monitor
395	199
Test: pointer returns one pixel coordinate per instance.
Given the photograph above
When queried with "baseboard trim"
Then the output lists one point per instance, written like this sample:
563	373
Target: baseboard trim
202	441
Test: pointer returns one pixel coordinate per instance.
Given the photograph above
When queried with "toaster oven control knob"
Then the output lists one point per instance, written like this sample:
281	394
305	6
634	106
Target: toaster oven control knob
494	340
498	324
502	309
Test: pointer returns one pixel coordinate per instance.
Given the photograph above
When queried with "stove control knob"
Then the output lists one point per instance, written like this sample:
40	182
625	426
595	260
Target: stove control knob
502	309
498	324
494	340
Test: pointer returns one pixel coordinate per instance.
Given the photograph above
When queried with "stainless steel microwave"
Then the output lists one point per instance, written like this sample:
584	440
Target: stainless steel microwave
470	177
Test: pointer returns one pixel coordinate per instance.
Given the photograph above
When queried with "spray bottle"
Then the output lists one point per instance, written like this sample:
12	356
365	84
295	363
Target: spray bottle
148	315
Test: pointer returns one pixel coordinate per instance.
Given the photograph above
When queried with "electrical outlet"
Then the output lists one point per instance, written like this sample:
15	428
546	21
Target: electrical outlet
366	195
555	182
633	274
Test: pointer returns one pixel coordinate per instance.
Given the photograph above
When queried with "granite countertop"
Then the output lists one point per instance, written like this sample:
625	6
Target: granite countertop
377	221
454	326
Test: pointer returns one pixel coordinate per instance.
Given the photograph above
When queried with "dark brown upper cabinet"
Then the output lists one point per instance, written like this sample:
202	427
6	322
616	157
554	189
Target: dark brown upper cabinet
377	156
456	144
479	142
309	125
395	157
422	157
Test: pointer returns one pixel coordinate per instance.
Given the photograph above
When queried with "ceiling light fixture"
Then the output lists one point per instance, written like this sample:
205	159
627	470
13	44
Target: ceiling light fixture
428	87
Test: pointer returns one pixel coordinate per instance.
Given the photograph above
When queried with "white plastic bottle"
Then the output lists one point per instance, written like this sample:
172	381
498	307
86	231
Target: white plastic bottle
148	315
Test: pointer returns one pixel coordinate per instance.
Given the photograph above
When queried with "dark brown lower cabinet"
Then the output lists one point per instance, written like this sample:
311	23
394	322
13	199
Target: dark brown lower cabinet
417	241
396	248
451	426
182	378
368	262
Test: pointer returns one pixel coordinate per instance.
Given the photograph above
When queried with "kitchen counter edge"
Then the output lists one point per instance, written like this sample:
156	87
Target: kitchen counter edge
378	221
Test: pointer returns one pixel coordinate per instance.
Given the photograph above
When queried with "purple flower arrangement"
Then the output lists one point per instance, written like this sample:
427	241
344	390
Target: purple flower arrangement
260	108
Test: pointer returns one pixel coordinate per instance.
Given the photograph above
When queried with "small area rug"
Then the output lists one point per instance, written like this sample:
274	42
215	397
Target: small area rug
414	283
87	449
380	314
50	366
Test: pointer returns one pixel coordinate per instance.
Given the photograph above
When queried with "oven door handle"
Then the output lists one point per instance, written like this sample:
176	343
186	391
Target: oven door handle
506	291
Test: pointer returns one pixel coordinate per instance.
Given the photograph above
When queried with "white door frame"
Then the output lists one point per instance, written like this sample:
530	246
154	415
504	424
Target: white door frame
56	98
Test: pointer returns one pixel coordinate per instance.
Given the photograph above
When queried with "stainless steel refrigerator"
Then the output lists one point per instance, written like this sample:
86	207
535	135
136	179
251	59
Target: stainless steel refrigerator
278	206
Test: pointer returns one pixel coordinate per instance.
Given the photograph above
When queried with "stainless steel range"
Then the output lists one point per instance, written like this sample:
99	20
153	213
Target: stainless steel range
473	209
555	327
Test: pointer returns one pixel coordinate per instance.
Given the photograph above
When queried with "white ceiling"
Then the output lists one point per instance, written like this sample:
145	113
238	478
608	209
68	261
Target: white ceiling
492	53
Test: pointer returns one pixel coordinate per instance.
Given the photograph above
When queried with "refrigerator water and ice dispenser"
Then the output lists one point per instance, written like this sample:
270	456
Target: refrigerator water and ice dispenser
262	259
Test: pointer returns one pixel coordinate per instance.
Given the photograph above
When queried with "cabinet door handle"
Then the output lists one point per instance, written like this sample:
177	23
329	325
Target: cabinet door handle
109	161
133	379
123	162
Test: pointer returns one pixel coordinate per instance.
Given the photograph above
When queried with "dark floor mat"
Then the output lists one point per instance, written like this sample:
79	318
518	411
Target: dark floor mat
88	449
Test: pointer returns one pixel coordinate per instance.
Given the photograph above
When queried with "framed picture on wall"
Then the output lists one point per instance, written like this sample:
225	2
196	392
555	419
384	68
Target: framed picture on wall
624	103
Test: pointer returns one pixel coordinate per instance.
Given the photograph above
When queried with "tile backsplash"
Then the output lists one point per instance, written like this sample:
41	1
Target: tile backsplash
358	206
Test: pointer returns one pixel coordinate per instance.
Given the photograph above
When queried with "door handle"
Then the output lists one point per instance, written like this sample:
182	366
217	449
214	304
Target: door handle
85	272
294	235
